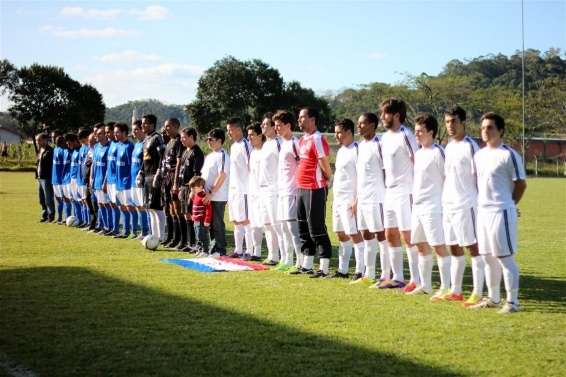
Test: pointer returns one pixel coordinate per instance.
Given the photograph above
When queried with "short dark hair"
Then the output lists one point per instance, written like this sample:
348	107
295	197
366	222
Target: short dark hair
235	122
98	125
123	127
71	137
312	113
372	118
284	116
60	141
83	134
394	106
197	181
190	131
175	122
345	124
43	136
152	119
217	133
456	111
137	123
498	119
430	123
111	124
255	127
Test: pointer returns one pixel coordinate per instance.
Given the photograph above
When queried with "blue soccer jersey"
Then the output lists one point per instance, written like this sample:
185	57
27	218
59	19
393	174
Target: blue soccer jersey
137	158
83	152
124	164
66	166
75	164
111	172
58	166
100	161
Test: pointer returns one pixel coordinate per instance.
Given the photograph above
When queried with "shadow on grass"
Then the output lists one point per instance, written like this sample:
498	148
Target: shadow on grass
75	322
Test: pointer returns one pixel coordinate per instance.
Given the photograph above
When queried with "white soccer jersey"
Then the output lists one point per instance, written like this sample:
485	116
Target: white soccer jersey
399	149
287	167
428	180
371	176
214	163
497	169
460	184
345	177
269	165
255	163
239	166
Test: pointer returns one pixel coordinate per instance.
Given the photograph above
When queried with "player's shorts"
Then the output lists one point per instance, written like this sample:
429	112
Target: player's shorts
58	191
82	190
370	217
136	198
460	227
497	232
74	187
101	196
397	209
287	207
124	197
111	191
268	207
238	209
184	193
427	228
67	193
152	196
343	219
256	220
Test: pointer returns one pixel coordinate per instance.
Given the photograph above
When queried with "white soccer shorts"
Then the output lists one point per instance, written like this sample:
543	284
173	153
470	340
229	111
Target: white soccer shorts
254	211
75	189
460	227
268	208
287	208
427	228
111	191
67	192
101	196
397	210
58	191
82	192
370	217
497	232
343	219
124	197
136	196
238	209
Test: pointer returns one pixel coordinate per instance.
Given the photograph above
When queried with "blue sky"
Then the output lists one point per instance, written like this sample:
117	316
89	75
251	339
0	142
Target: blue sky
131	49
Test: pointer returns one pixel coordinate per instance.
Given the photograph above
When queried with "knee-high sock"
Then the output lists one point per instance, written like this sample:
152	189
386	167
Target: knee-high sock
370	256
510	278
77	212
110	221
239	235
286	243
86	213
478	274
257	235
444	270
135	221
170	228
248	236
413	264
425	270
308	261
493	277
293	232
344	253
127	228
359	255
116	218
60	210
457	267
396	259
324	265
155	224
280	242
161	224
183	228
272	244
68	208
144	222
384	260
105	217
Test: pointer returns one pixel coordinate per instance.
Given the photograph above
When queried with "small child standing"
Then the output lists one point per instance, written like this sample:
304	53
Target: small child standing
201	215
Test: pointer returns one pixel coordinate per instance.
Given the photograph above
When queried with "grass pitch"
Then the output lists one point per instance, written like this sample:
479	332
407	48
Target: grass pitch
76	304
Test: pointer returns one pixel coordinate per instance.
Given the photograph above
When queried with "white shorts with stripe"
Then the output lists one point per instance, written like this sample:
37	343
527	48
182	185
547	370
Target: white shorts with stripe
136	196
370	217
75	189
67	192
460	227
238	209
124	197
343	219
254	211
111	191
101	196
58	191
82	192
427	227
287	207
397	208
497	232
268	207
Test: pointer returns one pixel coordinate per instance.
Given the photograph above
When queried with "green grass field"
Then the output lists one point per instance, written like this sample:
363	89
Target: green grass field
76	304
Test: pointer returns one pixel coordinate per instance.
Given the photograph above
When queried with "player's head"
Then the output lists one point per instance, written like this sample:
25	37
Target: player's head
426	128
189	137
92	140
196	184
268	126
60	141
121	131
171	127
367	125
454	120
54	135
393	112
71	140
215	138
42	139
308	119
109	129
83	135
101	136
284	121
255	135
344	131
137	130
492	127
148	123
235	129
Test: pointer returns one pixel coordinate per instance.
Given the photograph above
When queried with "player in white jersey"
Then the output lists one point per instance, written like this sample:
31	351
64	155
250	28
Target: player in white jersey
369	205
459	202
256	222
501	185
399	146
268	195
238	204
286	184
426	216
345	191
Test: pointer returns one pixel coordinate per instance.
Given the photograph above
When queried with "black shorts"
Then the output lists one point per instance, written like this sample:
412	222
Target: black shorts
152	196
186	206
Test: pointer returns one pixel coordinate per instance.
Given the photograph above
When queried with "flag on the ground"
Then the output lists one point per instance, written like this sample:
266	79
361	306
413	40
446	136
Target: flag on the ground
209	264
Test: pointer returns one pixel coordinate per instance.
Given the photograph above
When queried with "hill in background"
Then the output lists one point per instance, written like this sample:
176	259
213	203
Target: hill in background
123	113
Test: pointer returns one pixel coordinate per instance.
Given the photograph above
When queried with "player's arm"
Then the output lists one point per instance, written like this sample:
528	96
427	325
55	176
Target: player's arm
519	189
325	167
198	164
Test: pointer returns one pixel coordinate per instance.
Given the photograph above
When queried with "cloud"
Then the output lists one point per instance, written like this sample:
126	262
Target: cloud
377	55
90	13
151	13
107	32
128	56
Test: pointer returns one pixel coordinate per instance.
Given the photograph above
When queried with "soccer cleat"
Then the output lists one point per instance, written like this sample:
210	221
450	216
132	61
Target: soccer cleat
410	287
339	275
364	281
453	297
472	300
509	307
255	258
419	291
269	262
282	267
439	295
43	220
485	303
235	255
300	271
392	284
247	257
357	276
318	275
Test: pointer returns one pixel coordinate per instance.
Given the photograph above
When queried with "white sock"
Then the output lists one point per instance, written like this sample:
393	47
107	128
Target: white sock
342	255
239	234
286	237
154	228
257	236
359	251
272	244
396	259
510	278
281	242
249	239
457	273
425	270
412	256
347	256
293	228
161	224
324	265
444	270
384	260
370	256
493	277
308	261
478	274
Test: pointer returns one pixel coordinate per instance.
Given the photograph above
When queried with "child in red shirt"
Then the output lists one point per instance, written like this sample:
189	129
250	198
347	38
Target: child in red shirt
201	215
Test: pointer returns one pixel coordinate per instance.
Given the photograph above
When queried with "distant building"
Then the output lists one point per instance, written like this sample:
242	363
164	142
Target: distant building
10	135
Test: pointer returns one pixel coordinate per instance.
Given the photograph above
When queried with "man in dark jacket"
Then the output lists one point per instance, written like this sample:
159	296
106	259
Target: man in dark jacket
43	173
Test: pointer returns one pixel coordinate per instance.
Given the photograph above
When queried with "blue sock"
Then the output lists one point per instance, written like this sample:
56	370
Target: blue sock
135	224
78	211
68	209
86	215
104	218
116	217
110	218
144	222
59	210
126	214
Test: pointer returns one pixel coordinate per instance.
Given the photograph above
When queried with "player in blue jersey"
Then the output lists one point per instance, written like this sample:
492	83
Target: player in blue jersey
98	179
123	175
73	146
136	200
57	174
89	167
114	214
81	178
